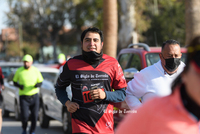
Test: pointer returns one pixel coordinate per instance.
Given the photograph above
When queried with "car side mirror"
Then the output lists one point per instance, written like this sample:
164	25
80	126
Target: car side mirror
129	73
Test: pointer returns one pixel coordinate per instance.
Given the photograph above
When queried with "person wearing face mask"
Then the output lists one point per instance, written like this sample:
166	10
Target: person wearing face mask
156	79
61	60
93	76
177	113
28	78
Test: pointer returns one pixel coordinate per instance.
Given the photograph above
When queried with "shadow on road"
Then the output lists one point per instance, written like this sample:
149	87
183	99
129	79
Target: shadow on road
11	126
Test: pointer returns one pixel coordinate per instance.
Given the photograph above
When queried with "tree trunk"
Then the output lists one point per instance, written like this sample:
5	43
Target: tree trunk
127	33
110	25
192	19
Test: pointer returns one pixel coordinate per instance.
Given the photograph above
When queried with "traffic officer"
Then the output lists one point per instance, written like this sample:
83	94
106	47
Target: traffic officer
28	78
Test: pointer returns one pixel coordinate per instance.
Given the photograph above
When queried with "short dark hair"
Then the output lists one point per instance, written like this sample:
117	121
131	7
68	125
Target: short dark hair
171	42
92	29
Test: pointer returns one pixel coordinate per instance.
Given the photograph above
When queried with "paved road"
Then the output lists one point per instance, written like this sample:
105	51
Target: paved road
11	126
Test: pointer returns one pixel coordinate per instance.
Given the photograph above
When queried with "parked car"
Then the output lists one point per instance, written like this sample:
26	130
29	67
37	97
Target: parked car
132	59
50	106
11	96
8	67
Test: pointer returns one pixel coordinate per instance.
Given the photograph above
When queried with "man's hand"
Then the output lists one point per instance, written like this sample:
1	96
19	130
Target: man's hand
21	87
18	85
2	87
97	94
71	106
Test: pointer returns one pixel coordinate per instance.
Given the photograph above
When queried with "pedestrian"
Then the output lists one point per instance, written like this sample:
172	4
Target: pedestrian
28	78
178	113
93	76
156	79
61	60
1	88
68	57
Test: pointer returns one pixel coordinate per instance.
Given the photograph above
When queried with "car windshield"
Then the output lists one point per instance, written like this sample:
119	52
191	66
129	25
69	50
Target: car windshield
152	58
130	60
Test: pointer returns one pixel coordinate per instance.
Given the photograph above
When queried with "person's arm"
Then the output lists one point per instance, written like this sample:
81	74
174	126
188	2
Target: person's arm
38	84
135	89
16	78
18	85
62	83
132	101
2	84
1	81
39	79
116	96
63	98
1	77
61	94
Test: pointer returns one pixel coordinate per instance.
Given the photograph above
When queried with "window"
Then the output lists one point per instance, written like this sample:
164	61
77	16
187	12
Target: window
49	76
7	70
130	60
152	58
123	60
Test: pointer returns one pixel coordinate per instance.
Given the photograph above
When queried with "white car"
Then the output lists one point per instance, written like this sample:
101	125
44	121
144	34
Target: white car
50	106
8	67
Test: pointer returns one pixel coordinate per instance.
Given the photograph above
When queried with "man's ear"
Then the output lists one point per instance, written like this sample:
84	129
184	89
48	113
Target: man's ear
81	45
102	44
160	55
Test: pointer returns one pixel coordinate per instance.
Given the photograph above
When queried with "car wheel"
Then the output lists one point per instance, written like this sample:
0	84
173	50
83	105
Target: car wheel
43	118
5	113
17	113
67	128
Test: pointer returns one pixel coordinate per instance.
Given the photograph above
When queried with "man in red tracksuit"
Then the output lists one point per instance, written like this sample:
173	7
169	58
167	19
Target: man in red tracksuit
93	76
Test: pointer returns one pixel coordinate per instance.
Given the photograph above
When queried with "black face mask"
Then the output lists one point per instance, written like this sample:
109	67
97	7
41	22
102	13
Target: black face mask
92	57
172	64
